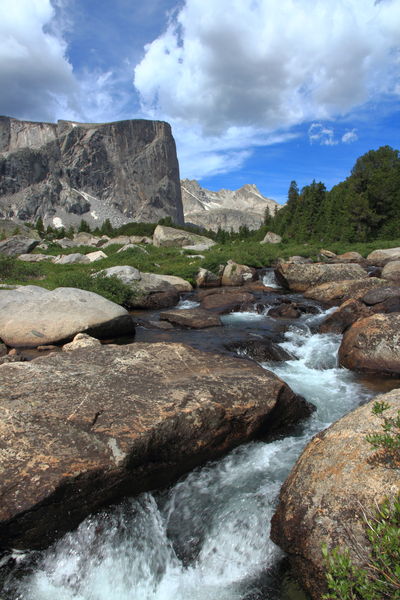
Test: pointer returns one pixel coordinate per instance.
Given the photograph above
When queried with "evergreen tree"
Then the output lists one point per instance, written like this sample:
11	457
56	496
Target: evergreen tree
84	227
107	228
40	226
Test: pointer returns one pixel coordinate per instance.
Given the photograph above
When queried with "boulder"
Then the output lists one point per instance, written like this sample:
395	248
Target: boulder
326	255
259	350
95	256
131	247
181	285
65	243
156	300
380	294
348	313
333	482
9	228
391	271
71	259
300	259
127	274
35	257
301	277
81	430
223	303
372	345
284	311
352	257
336	292
121	240
194	318
207	279
81	340
30	318
168	236
140	239
85	239
381	257
271	238
17	244
235	274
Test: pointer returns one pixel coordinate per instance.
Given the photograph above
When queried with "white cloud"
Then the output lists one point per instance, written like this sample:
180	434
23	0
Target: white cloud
350	136
268	65
321	134
35	76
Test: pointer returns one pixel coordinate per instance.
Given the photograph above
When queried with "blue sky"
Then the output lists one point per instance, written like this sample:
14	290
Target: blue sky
256	91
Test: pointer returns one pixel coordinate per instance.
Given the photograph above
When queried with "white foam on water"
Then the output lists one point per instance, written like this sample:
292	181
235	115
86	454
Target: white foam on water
269	279
185	304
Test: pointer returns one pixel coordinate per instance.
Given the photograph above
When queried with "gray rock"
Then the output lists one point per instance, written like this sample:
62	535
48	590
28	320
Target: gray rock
226	209
124	171
81	340
381	257
71	259
17	244
83	429
9	228
300	277
35	257
168	236
193	318
95	256
380	294
391	271
271	238
128	275
235	274
31	316
131	247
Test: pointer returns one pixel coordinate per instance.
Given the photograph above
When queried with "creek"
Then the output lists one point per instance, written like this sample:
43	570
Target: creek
207	537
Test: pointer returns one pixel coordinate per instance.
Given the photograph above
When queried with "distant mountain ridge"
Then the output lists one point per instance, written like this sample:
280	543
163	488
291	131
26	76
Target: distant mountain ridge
227	209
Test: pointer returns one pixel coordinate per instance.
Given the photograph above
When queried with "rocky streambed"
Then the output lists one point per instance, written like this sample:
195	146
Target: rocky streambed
94	424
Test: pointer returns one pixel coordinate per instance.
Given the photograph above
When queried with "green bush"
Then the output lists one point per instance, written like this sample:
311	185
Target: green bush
111	288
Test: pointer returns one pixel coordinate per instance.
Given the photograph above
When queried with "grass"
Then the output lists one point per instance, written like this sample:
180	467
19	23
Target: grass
163	261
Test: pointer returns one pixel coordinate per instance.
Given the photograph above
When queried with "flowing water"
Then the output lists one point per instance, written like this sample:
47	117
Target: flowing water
207	537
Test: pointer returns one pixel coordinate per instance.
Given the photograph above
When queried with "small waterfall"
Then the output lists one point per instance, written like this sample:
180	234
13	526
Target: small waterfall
269	279
207	538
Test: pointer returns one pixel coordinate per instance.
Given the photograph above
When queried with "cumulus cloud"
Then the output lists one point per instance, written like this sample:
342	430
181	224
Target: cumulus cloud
350	136
264	65
321	134
36	79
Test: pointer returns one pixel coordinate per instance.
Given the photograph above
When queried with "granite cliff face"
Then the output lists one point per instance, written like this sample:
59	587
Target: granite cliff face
124	171
227	209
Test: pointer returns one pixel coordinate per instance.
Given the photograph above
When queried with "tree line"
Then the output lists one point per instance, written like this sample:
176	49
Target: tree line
364	207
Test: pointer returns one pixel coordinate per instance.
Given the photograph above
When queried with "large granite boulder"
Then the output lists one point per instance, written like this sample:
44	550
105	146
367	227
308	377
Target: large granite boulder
348	313
300	277
235	274
337	292
391	271
33	316
17	244
76	258
168	236
225	303
372	345
86	428
66	172
333	482
9	228
271	238
381	257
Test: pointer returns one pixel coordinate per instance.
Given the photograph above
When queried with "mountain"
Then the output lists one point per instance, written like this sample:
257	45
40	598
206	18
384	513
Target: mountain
124	171
227	209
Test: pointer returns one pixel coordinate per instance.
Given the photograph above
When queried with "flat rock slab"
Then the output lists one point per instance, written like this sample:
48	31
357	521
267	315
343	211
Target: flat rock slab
300	277
83	429
33	316
195	318
223	303
338	475
336	292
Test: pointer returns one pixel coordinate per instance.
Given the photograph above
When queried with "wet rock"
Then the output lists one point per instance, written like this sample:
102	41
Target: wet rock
34	317
168	236
391	271
301	277
284	311
84	429
336	292
347	314
260	350
372	345
322	502
156	300
17	244
194	318
223	303
235	274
